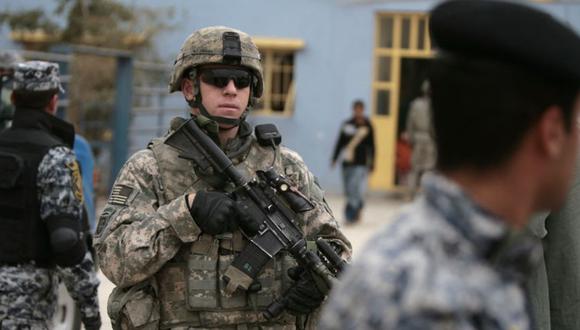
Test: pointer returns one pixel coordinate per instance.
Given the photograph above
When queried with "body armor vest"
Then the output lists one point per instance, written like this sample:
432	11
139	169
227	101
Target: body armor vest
23	235
190	289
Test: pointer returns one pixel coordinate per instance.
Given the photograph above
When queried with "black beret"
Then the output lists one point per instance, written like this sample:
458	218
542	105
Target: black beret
508	32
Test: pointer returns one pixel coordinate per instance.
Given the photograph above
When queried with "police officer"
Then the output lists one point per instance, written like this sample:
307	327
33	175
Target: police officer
41	199
169	232
505	92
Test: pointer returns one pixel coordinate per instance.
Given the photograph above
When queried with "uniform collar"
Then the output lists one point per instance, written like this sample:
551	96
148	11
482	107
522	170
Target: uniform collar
238	147
27	118
211	127
514	252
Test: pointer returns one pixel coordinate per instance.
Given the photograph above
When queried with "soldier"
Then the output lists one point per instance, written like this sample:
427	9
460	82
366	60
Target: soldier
7	62
169	231
419	132
505	93
40	209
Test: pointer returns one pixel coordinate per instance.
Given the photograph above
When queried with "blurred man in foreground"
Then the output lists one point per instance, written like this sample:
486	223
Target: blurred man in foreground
505	107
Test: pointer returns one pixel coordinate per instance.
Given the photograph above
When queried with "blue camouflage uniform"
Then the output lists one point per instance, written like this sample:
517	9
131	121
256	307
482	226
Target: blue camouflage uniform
442	263
28	292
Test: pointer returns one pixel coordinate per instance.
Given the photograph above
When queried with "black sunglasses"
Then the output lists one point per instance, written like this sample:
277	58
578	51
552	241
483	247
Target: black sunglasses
221	77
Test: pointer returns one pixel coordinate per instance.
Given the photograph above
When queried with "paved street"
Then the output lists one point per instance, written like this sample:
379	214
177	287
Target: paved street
378	211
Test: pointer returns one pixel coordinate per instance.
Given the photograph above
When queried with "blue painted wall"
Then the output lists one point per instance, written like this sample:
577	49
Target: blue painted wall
333	69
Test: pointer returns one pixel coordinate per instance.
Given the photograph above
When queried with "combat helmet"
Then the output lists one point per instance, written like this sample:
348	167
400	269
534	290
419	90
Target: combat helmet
217	45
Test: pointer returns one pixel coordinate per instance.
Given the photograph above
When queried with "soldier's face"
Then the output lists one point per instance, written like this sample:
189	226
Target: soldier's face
225	91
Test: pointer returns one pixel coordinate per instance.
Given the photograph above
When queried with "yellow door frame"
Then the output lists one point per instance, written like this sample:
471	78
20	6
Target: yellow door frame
409	38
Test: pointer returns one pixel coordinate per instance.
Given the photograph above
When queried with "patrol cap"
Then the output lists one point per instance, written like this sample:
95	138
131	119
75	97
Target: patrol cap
507	32
36	76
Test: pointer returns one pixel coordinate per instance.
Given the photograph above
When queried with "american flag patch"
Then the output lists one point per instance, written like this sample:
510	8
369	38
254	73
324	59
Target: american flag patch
120	194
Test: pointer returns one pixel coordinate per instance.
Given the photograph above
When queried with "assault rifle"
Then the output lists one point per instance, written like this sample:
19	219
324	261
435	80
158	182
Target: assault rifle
271	199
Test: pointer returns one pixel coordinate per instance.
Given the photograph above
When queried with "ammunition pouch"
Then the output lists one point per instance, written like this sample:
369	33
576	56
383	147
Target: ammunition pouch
135	307
208	261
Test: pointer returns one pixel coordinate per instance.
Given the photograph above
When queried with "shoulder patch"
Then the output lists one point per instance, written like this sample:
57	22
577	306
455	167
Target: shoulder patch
120	194
77	181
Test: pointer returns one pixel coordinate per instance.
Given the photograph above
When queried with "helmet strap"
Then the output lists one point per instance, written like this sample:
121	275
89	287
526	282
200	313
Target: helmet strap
223	120
197	103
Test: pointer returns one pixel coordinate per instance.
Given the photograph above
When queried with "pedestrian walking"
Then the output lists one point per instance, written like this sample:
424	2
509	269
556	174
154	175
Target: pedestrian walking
356	146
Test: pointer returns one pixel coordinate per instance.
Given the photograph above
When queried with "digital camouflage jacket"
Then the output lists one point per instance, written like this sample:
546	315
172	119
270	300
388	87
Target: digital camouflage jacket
167	271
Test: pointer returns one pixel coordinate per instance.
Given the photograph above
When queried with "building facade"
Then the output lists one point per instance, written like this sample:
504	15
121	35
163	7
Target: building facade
319	56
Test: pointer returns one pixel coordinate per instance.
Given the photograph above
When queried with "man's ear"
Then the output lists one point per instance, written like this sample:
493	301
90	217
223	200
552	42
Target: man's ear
187	89
552	131
52	104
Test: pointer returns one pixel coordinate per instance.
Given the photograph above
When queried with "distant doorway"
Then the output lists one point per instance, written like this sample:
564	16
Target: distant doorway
401	42
413	72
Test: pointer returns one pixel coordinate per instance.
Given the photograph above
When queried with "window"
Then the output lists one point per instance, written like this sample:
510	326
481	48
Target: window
278	56
398	36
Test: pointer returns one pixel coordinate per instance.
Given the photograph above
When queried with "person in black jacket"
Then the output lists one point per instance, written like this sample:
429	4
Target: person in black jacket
41	200
357	147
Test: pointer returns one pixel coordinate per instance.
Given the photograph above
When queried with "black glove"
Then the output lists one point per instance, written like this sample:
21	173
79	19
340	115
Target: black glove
216	213
304	297
92	323
246	220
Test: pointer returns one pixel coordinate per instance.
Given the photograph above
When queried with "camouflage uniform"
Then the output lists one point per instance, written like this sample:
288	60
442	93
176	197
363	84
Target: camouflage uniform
146	232
441	264
167	271
28	293
420	132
